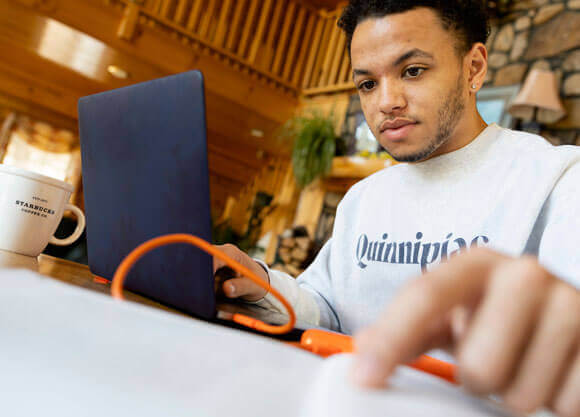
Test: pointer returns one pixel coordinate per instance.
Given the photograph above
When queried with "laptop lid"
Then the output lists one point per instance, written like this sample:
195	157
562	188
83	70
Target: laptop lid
145	174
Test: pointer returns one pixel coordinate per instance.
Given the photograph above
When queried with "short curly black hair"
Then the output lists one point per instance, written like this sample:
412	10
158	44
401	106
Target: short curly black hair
467	18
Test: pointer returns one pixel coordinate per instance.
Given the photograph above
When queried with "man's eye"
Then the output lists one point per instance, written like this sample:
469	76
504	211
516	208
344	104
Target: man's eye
414	72
366	85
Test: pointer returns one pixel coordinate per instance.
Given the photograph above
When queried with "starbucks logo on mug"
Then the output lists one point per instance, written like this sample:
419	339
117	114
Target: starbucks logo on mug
32	208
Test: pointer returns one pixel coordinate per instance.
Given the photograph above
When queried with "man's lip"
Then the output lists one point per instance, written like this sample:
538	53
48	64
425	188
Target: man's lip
398	134
395	124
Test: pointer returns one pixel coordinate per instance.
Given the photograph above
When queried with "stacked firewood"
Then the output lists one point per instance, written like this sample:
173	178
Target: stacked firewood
294	252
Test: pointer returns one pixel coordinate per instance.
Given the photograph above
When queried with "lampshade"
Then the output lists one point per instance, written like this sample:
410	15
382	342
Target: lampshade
539	92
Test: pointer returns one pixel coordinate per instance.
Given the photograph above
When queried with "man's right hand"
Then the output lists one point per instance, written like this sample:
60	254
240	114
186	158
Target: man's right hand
238	286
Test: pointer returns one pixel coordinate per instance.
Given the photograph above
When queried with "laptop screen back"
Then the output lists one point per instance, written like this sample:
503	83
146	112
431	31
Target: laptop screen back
145	174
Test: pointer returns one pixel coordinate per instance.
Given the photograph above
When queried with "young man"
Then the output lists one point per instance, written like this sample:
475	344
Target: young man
485	214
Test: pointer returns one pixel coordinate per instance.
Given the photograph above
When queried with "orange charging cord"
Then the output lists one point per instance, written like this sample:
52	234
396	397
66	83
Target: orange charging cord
320	342
144	248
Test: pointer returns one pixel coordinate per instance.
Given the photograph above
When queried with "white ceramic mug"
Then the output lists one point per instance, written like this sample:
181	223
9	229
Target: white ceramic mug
31	207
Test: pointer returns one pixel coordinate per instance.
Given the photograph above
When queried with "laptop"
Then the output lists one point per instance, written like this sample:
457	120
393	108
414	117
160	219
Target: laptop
145	174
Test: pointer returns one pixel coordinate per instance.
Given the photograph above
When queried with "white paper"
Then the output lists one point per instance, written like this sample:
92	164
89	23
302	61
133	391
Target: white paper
411	393
67	351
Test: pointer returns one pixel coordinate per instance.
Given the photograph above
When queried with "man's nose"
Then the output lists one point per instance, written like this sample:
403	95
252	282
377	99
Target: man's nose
392	98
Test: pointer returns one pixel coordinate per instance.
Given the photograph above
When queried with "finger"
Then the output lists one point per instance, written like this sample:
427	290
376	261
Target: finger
230	250
405	328
460	318
367	370
221	275
243	287
502	325
545	359
567	401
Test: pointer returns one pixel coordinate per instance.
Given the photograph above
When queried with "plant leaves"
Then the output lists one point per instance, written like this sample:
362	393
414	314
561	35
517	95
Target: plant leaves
314	146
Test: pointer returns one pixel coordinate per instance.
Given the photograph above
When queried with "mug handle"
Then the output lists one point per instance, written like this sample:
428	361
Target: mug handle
78	231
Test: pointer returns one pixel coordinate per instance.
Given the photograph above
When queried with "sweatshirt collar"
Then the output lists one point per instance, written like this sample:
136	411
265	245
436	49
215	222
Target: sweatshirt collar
462	155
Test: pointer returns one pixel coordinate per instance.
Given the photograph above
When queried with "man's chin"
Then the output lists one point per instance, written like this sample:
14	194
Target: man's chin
415	153
411	155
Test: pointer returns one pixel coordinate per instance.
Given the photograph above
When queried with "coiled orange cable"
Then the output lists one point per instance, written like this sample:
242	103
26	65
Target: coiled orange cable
144	248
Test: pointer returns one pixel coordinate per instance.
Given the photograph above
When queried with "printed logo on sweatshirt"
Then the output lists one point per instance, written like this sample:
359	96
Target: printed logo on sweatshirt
412	252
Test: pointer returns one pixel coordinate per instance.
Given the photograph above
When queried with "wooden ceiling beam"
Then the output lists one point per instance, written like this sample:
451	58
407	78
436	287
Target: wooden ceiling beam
229	168
22	86
69	48
24	61
237	125
10	103
220	189
244	153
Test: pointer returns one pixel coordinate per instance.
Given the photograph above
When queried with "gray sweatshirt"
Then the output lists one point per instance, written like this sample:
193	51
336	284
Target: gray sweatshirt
507	190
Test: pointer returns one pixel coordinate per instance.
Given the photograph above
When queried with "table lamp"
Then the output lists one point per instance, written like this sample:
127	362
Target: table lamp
538	97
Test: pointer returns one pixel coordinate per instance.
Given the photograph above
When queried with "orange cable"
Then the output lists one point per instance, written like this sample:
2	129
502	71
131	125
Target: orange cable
144	248
433	366
325	343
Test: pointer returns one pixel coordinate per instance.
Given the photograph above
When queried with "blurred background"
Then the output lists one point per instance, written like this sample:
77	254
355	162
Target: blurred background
278	83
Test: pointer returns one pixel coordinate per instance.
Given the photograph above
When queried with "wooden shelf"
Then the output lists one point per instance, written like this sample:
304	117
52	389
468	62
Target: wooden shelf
348	170
356	167
345	172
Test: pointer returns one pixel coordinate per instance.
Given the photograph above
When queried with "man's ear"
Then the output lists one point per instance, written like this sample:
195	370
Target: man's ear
476	64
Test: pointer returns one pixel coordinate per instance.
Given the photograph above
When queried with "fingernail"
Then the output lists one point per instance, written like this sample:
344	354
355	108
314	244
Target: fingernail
366	371
231	289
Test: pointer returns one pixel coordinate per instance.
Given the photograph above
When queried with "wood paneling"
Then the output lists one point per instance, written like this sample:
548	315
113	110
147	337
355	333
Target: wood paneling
9	103
260	31
222	26
283	37
325	4
235	25
194	14
296	36
248	26
23	29
17	84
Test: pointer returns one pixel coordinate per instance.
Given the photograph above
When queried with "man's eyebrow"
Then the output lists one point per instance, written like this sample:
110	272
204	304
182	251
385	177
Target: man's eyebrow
413	53
356	72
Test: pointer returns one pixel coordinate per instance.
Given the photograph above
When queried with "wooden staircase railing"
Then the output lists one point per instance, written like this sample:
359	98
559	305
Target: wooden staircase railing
275	179
286	43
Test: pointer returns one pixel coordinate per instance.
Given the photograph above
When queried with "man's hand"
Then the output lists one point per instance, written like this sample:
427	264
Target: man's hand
238	286
515	330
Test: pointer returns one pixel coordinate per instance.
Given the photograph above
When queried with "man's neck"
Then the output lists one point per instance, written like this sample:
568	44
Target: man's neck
464	133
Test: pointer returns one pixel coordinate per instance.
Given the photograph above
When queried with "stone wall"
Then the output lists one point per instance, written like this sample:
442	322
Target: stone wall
541	34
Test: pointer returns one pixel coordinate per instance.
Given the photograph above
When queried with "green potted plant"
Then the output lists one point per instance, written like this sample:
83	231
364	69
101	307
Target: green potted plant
315	145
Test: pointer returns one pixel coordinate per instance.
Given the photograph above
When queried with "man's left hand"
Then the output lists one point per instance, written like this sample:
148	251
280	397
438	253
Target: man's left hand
514	328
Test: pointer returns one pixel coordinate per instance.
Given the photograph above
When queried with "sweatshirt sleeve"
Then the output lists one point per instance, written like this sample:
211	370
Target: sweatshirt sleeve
560	231
303	303
312	294
308	294
317	280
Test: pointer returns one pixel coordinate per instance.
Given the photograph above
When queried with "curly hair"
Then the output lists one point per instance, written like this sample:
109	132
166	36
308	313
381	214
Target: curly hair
467	18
